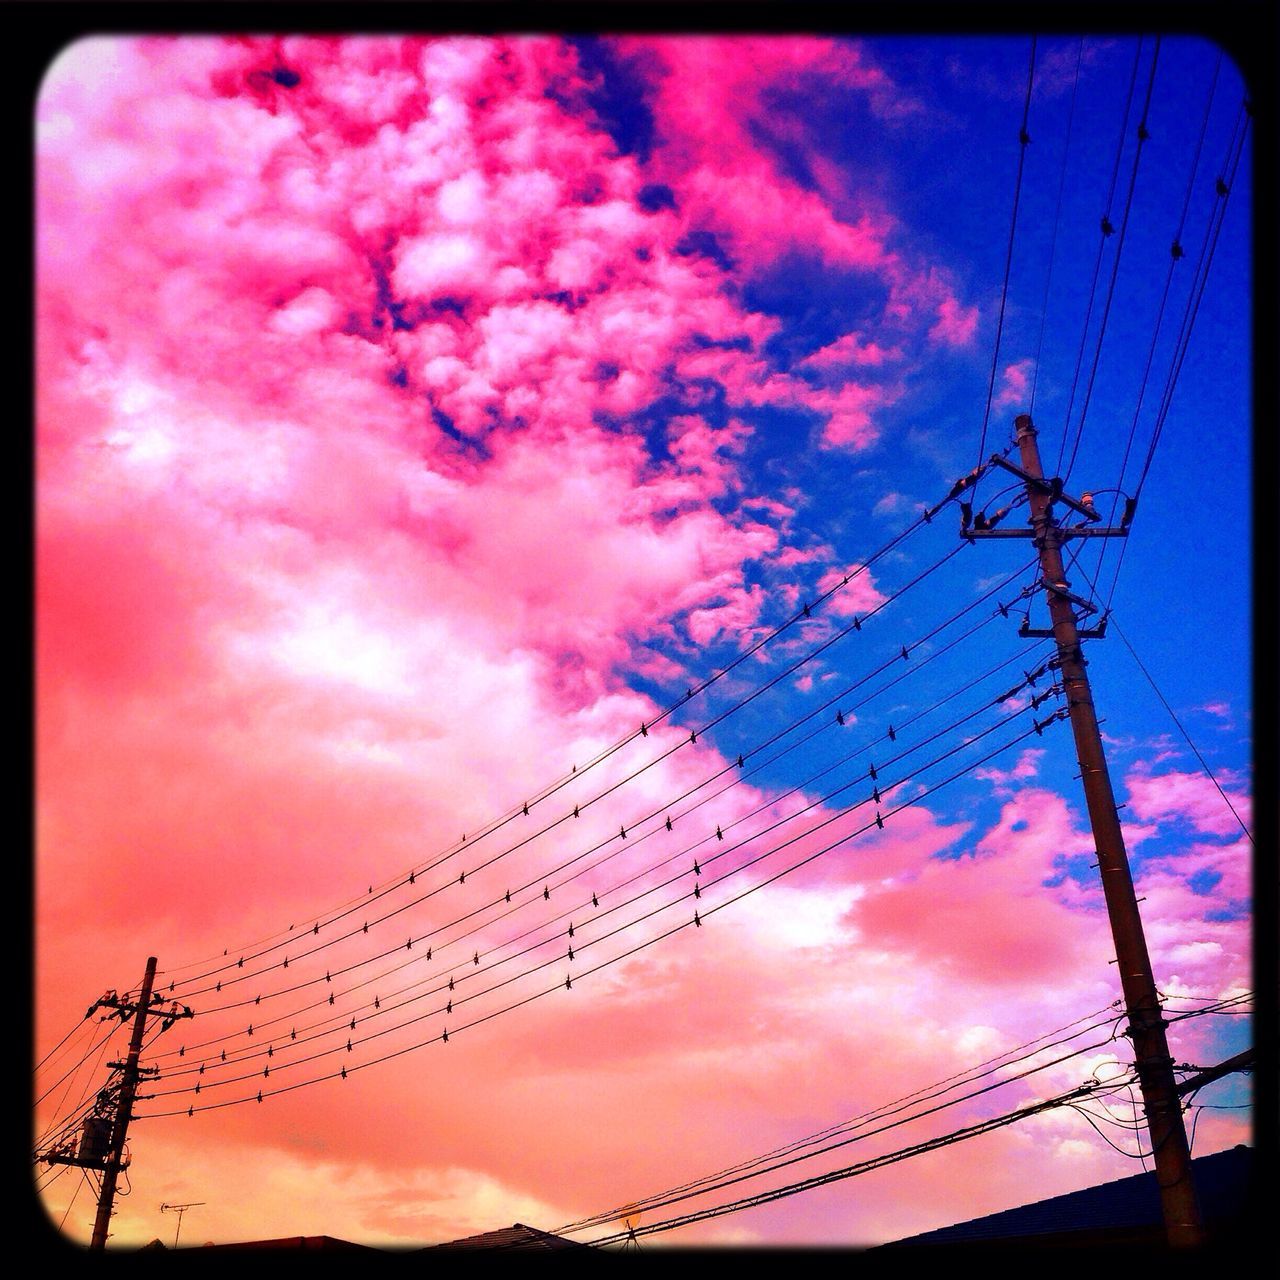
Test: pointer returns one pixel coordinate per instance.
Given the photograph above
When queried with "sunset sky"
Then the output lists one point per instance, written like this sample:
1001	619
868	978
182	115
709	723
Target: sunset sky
482	588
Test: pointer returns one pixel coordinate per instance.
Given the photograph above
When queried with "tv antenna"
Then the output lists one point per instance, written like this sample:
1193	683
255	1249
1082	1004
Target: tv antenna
179	1209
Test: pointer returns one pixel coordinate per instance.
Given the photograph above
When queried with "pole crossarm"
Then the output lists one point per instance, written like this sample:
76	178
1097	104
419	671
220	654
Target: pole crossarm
1065	532
1037	483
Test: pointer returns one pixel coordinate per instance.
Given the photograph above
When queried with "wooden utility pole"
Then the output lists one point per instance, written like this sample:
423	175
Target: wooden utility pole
128	1091
1170	1152
102	1141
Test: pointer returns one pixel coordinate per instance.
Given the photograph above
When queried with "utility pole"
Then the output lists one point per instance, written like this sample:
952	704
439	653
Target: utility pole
103	1138
1170	1152
128	1091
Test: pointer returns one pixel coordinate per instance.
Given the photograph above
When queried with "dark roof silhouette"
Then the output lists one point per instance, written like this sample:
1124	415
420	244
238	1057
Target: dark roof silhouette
517	1237
1122	1212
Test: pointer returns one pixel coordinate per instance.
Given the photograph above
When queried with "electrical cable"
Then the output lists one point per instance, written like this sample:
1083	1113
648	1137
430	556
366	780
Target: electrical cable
426	895
1023	139
576	773
570	862
647	942
1107	230
454	850
200	1067
1115	263
927	1093
1053	241
1186	736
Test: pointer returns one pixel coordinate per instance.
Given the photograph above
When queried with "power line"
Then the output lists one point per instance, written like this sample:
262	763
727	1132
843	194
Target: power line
1186	736
399	882
916	799
1107	230
1115	262
548	876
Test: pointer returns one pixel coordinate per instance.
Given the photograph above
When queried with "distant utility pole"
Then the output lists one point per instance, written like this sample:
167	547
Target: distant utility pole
1171	1154
103	1138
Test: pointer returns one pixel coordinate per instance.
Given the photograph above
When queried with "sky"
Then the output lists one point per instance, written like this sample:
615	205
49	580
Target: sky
501	628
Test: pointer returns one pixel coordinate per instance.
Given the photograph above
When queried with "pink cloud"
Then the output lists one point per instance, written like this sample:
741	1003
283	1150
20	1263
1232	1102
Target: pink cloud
707	91
850	349
859	596
1014	383
956	324
1191	797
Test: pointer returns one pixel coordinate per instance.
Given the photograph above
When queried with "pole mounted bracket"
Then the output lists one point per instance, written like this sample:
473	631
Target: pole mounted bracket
1059	589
